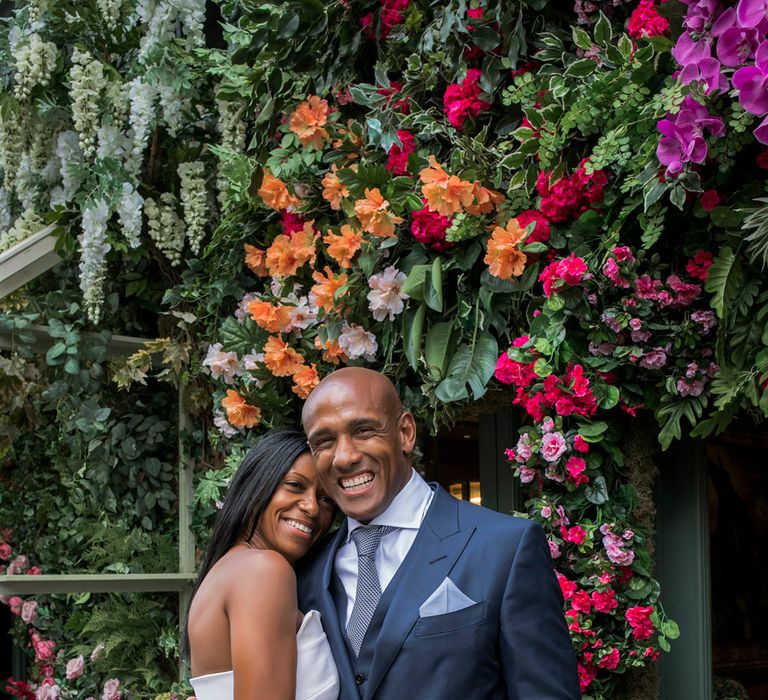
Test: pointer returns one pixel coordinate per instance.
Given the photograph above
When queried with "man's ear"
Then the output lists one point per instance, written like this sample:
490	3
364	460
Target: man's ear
407	432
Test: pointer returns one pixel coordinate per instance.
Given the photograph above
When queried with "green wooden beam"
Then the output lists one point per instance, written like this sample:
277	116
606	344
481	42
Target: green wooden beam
95	583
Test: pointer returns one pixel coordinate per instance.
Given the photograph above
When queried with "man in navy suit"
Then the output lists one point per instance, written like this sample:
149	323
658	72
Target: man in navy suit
433	598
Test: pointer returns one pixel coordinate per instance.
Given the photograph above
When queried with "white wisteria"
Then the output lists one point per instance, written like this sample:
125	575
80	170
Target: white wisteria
173	107
70	156
93	257
193	201
165	227
142	113
87	83
27	224
129	210
34	63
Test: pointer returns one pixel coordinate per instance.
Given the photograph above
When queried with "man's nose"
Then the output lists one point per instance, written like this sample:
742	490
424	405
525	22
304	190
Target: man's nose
346	453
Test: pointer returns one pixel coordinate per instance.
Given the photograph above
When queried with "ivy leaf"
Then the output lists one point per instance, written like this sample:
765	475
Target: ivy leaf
473	365
723	280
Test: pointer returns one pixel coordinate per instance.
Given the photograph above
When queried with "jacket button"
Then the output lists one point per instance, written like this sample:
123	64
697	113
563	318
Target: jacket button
359	679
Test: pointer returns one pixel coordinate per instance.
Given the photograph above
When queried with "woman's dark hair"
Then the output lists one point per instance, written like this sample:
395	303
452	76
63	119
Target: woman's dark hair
251	489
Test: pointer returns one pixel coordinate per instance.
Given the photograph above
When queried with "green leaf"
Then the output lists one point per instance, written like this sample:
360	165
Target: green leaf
485	38
670	629
610	399
239	337
438	348
542	367
413	324
597	491
54	352
414	284
664	644
592	430
581	38
471	365
603	30
288	26
433	286
581	68
723	280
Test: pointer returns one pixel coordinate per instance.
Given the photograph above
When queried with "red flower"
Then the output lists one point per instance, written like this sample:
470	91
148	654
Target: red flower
709	199
395	88
610	660
461	100
397	158
575	535
582	602
541	230
698	266
639	619
646	22
580	444
567	586
762	160
604	602
429	227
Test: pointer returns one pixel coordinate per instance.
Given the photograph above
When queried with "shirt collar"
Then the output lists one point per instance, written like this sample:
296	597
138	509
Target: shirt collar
407	508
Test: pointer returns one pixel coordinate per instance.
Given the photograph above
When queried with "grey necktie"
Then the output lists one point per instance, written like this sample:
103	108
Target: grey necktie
366	540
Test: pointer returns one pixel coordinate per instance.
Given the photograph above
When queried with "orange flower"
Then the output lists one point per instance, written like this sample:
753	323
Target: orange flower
240	414
324	291
446	194
485	200
256	260
288	253
280	359
343	246
332	351
273	318
333	189
374	215
504	258
304	380
274	193
307	122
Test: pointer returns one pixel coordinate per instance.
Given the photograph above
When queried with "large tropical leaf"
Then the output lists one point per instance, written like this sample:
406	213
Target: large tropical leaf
724	277
472	364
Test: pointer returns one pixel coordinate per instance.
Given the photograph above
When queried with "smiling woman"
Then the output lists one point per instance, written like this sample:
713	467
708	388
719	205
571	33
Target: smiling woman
244	630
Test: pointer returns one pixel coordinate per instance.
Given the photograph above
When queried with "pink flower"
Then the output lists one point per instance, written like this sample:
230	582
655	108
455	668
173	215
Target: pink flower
646	22
44	649
5	551
222	365
18	565
461	100
356	342
527	475
567	586
639	619
580	444
397	158
541	230
97	651
429	227
386	298
48	690
29	611
15	603
655	359
524	451
75	668
553	445
604	602
586	675
111	690
610	661
576	466
575	535
582	602
554	549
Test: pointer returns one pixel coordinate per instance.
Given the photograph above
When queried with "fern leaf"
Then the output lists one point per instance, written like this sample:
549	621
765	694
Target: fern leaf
724	278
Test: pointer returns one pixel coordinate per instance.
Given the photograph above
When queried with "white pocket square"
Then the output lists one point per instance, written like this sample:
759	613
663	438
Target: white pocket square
447	598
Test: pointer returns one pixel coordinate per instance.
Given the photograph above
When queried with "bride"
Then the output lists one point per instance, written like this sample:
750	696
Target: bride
244	633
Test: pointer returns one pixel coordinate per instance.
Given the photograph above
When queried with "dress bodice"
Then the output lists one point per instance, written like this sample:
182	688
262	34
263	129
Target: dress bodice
316	674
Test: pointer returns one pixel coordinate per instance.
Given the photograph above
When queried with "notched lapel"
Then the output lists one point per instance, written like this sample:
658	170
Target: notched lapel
435	550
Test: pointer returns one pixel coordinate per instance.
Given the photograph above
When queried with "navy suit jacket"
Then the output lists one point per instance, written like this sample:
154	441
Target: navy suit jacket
512	643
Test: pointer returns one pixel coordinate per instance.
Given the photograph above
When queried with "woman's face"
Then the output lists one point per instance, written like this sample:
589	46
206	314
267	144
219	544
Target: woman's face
298	514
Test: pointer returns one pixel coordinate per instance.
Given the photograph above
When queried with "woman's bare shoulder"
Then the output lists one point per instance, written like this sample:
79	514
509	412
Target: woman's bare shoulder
269	568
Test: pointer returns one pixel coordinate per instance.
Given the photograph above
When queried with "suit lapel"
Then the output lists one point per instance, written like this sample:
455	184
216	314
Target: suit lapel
327	606
436	548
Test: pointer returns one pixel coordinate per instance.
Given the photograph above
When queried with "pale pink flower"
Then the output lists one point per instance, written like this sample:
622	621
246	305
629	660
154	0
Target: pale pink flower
29	611
47	691
75	668
554	549
222	365
223	425
553	445
523	448
241	312
654	359
111	690
386	296
547	425
303	314
357	342
252	360
546	512
18	565
527	474
97	651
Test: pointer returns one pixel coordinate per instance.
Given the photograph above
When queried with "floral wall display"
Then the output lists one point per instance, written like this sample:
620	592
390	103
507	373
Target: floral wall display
561	205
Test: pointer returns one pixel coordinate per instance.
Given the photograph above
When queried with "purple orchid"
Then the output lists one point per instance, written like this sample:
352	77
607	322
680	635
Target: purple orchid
751	13
735	44
692	48
682	138
752	83
700	15
707	70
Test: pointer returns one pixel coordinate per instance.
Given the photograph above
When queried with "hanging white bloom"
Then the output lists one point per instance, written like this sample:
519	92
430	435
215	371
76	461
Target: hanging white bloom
173	107
110	11
70	157
35	62
142	96
193	201
36	9
27	224
357	342
165	227
6	215
113	143
93	257
118	101
25	182
159	19
41	145
386	296
129	210
87	82
192	17
11	149
231	127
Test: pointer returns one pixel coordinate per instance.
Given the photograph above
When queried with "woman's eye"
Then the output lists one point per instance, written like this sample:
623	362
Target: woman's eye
293	484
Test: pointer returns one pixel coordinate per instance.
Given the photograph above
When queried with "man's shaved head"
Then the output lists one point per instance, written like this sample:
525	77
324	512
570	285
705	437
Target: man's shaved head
360	439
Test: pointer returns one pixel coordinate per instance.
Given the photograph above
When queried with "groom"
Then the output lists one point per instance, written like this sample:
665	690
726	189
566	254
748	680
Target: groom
423	596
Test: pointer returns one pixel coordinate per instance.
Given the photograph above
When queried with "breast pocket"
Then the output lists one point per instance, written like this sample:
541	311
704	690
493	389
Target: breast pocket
451	622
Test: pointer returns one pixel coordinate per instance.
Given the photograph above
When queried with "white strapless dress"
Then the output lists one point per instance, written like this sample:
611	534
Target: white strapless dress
316	674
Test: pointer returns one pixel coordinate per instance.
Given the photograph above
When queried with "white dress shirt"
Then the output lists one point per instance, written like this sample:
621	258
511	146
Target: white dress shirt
406	513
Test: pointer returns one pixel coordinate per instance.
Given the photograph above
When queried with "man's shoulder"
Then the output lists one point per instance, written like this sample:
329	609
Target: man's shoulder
492	521
316	556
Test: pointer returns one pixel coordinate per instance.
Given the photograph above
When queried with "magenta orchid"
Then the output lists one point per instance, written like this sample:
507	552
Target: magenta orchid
752	84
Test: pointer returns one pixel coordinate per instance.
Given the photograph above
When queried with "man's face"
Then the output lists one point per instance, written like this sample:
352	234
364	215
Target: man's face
359	441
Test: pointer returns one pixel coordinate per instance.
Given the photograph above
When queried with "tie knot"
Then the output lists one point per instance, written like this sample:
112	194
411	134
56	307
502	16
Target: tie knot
367	538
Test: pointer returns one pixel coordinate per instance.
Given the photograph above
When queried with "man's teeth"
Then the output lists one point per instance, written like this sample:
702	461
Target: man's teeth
357	481
300	526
